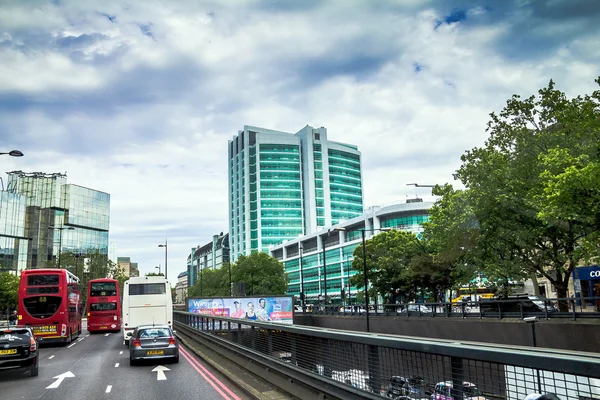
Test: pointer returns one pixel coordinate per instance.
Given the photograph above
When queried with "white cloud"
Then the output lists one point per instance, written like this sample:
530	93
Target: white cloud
146	117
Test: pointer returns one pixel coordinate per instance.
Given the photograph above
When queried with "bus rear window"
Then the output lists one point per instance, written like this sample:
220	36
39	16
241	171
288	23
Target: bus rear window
103	306
38	280
42	306
147	288
103	289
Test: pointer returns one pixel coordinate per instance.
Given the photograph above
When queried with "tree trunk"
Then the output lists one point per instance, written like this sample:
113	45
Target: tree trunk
562	293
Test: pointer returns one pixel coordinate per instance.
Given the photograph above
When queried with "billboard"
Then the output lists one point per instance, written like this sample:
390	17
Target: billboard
266	309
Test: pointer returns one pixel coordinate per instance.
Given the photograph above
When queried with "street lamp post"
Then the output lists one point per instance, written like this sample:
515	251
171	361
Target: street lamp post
14	153
418	185
302	294
62	228
532	321
165	246
364	248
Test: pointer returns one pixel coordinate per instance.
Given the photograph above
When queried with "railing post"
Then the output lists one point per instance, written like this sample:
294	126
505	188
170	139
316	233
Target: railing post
374	369
456	366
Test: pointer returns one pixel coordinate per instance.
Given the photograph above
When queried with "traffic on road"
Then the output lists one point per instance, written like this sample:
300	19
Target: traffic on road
97	366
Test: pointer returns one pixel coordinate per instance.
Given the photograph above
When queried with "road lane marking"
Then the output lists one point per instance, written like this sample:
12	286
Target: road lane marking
160	372
214	382
117	365
121	352
87	335
80	339
59	379
51	357
106	334
108	388
71	345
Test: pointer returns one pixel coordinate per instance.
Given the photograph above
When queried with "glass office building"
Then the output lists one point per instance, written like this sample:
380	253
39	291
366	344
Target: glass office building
13	241
58	214
303	256
212	255
283	185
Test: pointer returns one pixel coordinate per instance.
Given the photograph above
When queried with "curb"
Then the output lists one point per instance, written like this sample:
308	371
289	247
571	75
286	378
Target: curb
249	390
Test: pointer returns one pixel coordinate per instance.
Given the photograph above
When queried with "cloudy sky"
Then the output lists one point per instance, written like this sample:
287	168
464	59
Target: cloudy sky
138	98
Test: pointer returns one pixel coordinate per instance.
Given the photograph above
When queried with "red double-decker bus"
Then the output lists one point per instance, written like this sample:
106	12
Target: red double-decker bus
103	305
50	303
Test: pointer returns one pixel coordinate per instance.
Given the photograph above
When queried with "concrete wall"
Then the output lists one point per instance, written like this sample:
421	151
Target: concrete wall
581	335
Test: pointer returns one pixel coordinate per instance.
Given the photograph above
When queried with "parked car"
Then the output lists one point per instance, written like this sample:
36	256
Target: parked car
514	304
151	342
415	308
401	388
19	349
446	391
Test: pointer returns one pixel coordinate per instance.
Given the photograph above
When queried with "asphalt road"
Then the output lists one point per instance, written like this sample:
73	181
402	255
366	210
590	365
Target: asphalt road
97	367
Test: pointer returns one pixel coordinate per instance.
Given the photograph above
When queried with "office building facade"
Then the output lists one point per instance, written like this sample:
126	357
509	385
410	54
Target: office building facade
212	255
282	185
13	241
60	215
303	258
127	268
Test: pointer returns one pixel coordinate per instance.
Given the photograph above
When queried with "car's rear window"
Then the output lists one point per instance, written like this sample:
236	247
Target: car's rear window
11	335
153	333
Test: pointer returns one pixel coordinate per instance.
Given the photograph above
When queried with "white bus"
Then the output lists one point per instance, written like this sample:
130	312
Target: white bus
146	300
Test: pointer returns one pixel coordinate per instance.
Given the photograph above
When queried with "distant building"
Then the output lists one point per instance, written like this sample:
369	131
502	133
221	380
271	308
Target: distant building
212	255
303	256
282	185
181	288
128	268
57	216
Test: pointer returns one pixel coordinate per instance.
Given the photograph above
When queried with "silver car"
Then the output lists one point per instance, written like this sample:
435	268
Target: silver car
150	342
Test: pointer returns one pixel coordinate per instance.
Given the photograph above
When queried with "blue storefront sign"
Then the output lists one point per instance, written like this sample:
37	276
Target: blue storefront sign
587	273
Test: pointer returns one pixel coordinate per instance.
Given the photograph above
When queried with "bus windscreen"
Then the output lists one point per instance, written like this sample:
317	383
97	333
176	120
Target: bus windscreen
42	306
147	288
39	280
103	289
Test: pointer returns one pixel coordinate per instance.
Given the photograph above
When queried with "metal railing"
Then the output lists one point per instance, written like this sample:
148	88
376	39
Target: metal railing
406	367
574	308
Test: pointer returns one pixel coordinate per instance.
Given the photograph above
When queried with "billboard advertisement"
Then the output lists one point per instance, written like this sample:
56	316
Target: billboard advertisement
265	308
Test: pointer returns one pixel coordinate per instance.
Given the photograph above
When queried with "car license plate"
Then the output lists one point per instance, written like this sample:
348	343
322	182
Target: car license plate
155	352
9	351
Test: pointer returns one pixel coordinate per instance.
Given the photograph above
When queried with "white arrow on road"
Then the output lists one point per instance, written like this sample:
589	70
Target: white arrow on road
59	379
160	370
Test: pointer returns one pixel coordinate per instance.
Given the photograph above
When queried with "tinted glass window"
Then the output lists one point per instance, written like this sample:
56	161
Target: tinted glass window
153	333
103	289
36	280
103	307
147	288
42	306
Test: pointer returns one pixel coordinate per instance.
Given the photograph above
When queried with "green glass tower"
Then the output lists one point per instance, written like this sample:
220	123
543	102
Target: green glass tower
282	185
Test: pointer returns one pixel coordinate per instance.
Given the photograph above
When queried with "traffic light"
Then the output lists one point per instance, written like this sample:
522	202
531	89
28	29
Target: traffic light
343	293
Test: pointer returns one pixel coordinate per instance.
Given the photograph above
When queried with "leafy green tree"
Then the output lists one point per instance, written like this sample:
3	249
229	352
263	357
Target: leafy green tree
155	274
389	256
528	185
263	274
213	283
88	266
9	291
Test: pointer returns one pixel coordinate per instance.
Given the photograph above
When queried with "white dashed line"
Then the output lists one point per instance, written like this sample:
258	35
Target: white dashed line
50	358
87	335
71	345
108	388
117	365
80	339
106	334
121	352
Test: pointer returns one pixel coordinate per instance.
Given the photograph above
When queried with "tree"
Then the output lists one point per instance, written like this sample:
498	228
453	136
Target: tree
9	291
528	185
213	283
155	274
263	274
389	256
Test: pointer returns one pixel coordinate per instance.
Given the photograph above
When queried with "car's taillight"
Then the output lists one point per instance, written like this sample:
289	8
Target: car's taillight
136	342
171	340
32	344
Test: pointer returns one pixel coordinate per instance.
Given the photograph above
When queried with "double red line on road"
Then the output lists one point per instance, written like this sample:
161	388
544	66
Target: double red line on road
219	386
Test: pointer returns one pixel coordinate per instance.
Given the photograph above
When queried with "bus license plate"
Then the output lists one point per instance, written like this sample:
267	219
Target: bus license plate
155	352
44	329
9	351
103	327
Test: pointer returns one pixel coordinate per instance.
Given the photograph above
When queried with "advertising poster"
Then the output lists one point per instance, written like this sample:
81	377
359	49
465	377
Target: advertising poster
264	309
